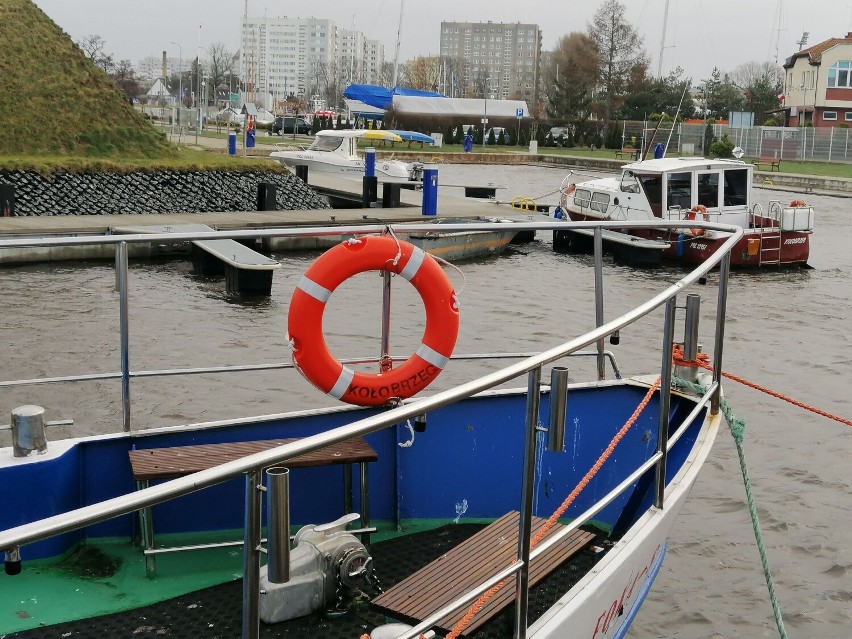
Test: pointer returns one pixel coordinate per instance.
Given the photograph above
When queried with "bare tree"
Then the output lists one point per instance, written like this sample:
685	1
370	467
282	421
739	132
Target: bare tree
619	49
220	65
423	72
125	79
93	47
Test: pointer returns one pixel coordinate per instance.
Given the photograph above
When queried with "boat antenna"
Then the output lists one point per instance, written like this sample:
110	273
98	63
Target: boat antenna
396	57
663	41
651	139
677	113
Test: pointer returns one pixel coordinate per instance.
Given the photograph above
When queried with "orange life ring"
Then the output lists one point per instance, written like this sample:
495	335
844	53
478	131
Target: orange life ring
373	253
798	204
692	213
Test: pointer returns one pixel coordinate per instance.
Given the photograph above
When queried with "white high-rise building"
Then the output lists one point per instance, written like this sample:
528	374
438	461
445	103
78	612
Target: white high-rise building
308	58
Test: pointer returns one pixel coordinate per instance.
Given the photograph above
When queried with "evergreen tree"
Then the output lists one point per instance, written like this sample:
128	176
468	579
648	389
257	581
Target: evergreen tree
619	49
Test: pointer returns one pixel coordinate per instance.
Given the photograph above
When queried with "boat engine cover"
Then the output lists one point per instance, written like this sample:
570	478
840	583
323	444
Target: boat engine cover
324	560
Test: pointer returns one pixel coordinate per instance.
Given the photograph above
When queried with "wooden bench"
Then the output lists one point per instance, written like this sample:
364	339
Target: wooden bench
468	565
167	463
774	164
626	152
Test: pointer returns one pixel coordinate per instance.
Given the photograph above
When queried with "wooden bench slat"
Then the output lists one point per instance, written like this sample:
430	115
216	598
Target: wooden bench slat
177	461
469	564
474	561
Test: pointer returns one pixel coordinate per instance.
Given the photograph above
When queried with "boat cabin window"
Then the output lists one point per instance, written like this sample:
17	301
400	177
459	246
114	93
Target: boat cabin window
629	183
679	190
325	143
600	202
708	190
582	197
653	187
736	187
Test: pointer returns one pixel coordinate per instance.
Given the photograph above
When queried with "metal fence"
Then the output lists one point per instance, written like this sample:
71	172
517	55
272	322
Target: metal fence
824	144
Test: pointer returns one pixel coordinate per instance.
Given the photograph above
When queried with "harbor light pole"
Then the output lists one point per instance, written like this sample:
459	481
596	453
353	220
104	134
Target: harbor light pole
180	71
485	110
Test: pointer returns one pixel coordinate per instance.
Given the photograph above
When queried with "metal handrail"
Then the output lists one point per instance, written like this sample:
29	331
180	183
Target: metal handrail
242	368
250	466
88	515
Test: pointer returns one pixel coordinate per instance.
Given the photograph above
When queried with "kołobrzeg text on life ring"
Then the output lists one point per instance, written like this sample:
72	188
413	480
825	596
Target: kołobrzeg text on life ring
372	253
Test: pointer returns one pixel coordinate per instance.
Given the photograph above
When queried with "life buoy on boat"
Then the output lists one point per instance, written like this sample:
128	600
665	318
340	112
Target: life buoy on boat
373	253
692	214
795	204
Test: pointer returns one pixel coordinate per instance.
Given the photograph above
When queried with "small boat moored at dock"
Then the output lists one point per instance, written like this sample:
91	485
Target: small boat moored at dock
692	190
539	496
336	151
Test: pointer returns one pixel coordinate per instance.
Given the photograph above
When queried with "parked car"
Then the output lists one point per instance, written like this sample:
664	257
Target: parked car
497	130
286	124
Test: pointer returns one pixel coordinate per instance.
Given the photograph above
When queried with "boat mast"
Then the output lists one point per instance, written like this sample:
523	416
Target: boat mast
396	57
663	41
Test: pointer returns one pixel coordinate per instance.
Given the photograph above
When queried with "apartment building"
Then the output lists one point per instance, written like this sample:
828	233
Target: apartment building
500	59
303	57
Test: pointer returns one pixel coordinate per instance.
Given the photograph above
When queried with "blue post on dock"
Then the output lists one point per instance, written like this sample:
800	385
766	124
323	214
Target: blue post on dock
370	188
370	161
430	189
232	143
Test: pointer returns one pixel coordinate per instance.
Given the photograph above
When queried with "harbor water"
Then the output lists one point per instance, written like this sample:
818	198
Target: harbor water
788	330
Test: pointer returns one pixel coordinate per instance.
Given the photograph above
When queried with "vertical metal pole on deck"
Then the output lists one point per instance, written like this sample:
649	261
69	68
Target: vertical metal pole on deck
278	525
665	401
721	309
522	580
599	308
365	501
124	327
251	557
385	362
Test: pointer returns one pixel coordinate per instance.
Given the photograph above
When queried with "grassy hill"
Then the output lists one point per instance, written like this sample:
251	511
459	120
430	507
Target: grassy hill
55	102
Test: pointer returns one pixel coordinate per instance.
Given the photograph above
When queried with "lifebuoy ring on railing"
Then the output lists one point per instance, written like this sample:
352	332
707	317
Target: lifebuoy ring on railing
692	214
373	253
796	204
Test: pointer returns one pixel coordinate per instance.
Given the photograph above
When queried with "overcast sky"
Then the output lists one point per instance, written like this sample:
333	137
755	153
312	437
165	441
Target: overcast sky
701	34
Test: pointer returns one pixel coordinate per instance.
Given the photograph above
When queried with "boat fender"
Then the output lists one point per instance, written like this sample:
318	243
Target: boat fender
311	354
797	204
692	213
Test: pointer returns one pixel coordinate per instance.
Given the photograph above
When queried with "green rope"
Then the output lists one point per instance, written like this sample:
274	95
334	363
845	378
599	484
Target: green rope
737	428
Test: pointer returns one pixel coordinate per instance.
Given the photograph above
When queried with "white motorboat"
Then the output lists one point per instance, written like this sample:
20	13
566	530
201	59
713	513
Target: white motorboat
691	189
336	151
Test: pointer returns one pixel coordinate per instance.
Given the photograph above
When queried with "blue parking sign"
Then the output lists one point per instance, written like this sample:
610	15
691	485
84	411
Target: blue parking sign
519	113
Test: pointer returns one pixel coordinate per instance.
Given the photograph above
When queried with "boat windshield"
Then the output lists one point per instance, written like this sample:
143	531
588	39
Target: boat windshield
325	143
652	185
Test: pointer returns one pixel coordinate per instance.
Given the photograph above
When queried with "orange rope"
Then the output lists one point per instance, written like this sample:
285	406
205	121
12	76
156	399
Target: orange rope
703	360
551	521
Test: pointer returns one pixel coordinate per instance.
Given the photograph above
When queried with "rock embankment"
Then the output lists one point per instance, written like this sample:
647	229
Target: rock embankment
165	191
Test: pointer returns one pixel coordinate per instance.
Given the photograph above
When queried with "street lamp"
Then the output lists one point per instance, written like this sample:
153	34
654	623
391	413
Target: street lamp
180	72
485	110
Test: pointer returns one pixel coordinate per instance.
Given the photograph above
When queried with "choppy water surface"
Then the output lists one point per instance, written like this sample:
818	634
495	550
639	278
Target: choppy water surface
788	330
